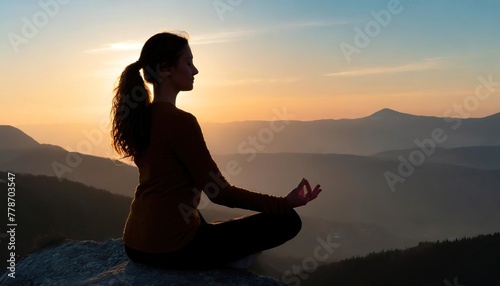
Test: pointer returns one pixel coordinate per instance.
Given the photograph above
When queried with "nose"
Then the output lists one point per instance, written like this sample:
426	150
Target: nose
195	70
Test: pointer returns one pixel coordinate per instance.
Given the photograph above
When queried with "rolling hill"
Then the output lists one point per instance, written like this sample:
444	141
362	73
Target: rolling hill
21	153
435	201
13	138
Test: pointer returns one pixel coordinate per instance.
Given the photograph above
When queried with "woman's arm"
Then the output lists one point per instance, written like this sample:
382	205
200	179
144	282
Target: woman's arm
191	149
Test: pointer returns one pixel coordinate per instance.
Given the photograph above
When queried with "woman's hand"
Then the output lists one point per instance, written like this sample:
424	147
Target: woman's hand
302	194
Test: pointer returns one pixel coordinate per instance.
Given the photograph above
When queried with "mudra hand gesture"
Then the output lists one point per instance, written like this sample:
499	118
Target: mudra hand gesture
302	194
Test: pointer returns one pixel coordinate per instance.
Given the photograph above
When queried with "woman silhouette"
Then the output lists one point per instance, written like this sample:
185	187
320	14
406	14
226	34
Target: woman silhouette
164	227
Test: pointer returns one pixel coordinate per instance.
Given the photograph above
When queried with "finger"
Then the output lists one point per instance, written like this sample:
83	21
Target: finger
300	187
301	184
311	194
315	192
308	186
318	187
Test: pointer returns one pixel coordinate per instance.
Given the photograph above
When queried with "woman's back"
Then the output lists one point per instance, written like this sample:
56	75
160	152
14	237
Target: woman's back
155	223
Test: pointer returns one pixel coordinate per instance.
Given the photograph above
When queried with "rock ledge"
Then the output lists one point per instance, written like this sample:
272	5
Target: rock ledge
105	263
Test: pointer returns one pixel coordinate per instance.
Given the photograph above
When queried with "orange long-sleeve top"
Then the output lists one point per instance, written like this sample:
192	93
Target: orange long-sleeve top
173	170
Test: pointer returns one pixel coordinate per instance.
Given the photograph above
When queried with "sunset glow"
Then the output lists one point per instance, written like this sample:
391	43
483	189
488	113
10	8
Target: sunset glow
419	57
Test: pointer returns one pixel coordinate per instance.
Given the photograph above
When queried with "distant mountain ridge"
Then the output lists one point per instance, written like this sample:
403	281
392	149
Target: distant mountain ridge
382	131
388	113
13	138
21	153
120	178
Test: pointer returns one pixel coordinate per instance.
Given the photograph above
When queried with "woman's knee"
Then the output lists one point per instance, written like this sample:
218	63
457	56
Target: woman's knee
294	223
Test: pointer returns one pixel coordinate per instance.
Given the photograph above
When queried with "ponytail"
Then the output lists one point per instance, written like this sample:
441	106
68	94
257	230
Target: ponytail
130	110
130	113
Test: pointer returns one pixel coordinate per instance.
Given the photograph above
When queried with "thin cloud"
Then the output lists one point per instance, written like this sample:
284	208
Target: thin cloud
216	38
427	64
231	36
249	81
222	37
115	47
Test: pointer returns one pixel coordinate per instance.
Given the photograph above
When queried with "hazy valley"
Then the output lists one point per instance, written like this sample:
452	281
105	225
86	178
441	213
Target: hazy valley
390	180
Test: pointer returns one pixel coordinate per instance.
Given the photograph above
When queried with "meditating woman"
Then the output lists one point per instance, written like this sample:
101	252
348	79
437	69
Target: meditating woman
164	227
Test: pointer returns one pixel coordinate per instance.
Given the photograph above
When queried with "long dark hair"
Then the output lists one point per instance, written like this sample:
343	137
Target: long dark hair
130	108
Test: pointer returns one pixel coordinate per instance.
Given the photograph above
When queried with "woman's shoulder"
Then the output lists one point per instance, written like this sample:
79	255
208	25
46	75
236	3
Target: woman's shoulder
168	111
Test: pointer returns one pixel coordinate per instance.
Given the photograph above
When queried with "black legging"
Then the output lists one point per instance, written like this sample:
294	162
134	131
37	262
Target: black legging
216	244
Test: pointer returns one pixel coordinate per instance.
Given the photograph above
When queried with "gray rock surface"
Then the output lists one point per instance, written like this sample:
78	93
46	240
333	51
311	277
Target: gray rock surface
105	263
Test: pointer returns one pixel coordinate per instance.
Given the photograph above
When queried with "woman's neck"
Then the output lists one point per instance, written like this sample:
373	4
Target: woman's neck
164	93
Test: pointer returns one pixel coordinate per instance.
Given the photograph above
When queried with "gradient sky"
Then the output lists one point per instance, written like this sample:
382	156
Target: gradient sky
253	57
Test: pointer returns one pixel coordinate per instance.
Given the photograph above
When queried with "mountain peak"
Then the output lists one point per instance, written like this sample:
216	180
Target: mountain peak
13	138
386	113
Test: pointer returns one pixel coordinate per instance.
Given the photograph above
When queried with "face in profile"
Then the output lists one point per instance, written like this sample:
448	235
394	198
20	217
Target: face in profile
182	74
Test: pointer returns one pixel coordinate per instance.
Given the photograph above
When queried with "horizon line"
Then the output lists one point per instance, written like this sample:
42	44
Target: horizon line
291	120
